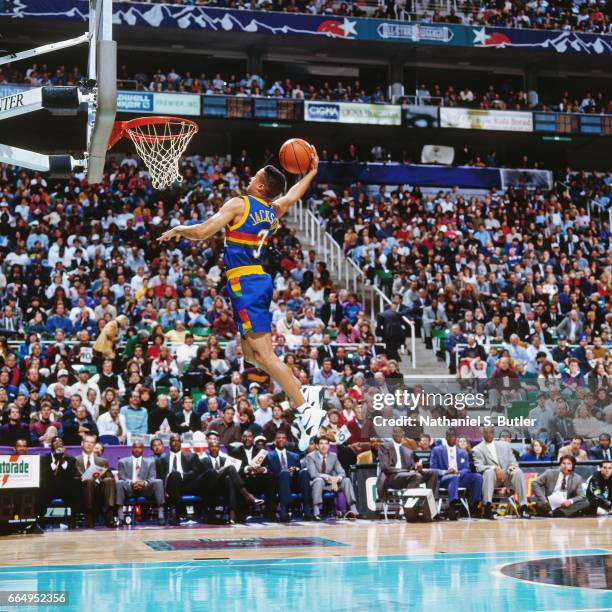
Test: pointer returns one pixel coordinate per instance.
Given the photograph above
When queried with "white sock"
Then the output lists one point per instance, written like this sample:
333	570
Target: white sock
302	407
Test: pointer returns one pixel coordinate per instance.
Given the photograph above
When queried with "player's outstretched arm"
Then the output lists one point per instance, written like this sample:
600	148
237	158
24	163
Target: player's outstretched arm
284	203
229	212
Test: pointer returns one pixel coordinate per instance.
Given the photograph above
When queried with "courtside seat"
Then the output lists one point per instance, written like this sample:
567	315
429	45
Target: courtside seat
191	502
443	495
506	495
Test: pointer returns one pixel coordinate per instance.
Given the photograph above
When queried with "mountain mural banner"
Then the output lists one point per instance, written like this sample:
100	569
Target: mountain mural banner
337	27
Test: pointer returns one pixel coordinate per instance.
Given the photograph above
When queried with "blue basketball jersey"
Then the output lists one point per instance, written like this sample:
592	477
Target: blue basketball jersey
245	240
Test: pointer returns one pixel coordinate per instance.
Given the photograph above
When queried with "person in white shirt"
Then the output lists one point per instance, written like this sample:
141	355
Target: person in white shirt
84	385
185	353
112	423
263	414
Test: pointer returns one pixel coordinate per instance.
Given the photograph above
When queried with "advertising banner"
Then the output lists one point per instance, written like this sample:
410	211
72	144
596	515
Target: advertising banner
181	104
352	112
477	119
158	15
19	471
134	102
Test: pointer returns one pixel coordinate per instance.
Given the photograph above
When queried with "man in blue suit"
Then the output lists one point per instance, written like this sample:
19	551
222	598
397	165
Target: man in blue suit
453	467
290	477
603	452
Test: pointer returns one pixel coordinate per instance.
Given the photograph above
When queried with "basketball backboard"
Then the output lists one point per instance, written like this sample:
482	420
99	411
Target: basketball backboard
98	93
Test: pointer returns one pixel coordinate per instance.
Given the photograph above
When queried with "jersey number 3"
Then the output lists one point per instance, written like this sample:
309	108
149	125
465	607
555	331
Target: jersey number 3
262	235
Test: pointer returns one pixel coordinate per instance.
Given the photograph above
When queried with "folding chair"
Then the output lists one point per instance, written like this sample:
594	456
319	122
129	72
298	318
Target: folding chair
443	495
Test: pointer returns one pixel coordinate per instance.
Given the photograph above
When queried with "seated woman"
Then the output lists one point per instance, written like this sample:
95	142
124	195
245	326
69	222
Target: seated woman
164	370
536	451
246	417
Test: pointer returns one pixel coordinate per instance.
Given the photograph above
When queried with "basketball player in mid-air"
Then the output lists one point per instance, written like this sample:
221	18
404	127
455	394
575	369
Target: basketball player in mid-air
249	220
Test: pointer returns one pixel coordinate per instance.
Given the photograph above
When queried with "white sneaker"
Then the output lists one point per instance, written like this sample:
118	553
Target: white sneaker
312	397
307	425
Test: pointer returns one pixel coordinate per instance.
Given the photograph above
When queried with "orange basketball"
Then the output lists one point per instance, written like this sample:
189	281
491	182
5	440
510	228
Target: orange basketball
295	156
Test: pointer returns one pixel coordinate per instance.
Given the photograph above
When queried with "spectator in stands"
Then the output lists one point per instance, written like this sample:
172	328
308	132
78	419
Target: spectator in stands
602	451
225	427
186	419
136	417
536	451
14	428
574	449
78	425
112	423
232	390
275	424
496	462
161	418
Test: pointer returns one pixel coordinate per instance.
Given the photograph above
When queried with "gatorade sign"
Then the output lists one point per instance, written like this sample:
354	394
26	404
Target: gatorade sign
19	472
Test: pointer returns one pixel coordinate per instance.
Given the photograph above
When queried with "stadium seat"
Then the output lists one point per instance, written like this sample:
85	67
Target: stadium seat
111	440
519	408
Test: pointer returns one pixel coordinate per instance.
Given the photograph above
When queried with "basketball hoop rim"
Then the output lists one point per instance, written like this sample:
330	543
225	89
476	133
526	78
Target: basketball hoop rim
122	129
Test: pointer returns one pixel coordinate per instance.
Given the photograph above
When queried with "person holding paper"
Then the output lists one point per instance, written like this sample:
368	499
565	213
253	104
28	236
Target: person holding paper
96	478
256	472
559	492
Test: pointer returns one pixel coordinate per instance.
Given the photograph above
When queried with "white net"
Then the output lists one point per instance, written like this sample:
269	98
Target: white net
161	145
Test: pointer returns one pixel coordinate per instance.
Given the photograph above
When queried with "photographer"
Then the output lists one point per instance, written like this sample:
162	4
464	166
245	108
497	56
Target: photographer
58	478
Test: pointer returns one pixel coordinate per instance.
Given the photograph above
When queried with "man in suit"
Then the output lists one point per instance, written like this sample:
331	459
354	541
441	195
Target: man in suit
326	349
361	361
496	462
59	478
452	465
186	419
603	452
433	315
232	390
331	312
571	327
392	327
258	479
327	474
398	470
311	365
574	449
221	478
138	478
340	360
290	477
181	474
564	482
102	484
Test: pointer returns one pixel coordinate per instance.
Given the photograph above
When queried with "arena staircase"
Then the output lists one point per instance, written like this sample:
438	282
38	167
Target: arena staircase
417	360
